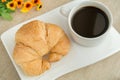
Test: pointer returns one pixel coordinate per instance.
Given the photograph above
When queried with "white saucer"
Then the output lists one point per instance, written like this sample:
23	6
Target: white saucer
78	56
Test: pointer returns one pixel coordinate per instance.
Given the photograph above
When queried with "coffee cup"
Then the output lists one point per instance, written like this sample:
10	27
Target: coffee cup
85	37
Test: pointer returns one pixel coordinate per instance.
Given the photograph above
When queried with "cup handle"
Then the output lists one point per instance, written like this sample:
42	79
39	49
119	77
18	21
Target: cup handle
65	10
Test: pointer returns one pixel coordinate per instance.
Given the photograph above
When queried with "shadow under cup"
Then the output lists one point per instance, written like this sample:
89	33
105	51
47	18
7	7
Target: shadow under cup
89	23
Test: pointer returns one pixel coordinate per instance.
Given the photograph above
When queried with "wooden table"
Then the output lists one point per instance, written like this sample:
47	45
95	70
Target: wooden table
107	69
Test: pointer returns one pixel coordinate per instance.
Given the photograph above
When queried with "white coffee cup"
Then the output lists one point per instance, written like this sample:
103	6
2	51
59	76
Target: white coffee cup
70	11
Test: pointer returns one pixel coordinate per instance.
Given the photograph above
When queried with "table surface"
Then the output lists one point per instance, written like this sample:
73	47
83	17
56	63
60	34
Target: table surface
107	69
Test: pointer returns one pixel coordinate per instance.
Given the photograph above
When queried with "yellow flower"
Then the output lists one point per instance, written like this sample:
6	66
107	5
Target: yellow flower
39	7
27	6
3	0
11	5
36	2
19	3
14	0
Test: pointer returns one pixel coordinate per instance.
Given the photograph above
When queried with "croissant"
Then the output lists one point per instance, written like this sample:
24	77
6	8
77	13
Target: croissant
34	41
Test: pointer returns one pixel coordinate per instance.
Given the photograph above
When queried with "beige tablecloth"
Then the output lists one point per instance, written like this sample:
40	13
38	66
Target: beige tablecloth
108	69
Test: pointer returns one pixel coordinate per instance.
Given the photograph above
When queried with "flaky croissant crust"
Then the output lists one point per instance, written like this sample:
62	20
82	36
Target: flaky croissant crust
35	40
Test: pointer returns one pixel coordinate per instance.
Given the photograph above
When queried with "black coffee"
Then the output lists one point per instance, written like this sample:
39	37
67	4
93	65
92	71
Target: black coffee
90	22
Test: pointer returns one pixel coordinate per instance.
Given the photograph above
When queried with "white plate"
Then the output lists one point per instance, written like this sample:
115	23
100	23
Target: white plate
78	56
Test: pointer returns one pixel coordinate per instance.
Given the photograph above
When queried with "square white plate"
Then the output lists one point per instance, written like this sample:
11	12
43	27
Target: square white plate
77	57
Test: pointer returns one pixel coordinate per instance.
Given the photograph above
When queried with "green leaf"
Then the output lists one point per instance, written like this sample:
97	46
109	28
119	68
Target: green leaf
6	10
2	5
10	11
6	16
3	10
